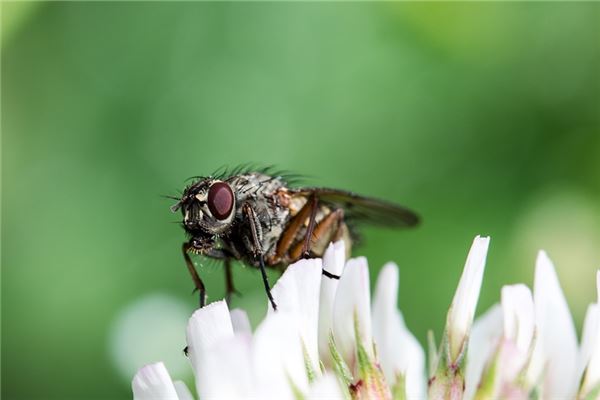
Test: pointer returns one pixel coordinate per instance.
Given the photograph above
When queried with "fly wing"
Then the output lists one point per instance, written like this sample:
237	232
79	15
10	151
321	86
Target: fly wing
362	209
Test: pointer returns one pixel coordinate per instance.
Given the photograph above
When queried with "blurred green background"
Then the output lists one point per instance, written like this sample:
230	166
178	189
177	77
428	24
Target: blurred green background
483	117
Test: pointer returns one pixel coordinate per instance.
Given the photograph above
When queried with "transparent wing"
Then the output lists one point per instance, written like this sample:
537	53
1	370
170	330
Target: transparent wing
362	209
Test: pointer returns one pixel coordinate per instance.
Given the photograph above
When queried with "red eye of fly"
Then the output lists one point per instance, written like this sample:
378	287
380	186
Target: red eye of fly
220	200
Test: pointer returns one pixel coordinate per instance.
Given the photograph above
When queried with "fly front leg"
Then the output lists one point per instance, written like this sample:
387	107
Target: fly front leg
217	254
195	277
258	250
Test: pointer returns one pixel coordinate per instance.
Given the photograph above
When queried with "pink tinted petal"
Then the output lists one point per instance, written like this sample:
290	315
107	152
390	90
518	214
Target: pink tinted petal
519	318
519	326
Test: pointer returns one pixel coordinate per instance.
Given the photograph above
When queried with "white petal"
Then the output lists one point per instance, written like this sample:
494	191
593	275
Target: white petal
590	345
296	293
240	321
519	318
153	382
333	262
325	387
207	326
353	300
227	370
398	350
278	359
555	351
462	310
182	391
519	326
483	342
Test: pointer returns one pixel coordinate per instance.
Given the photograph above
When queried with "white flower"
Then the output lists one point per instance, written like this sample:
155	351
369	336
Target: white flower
327	341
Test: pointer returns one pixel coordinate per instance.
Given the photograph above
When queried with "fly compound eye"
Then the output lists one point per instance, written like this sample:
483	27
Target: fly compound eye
220	200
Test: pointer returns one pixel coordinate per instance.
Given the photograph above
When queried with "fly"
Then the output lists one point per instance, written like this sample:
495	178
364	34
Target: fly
257	218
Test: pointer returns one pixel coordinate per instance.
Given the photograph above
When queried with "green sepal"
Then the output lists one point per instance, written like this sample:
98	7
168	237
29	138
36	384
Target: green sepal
593	394
310	372
341	369
487	382
448	382
298	395
433	353
399	388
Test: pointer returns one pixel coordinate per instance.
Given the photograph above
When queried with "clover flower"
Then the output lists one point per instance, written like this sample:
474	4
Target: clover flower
327	340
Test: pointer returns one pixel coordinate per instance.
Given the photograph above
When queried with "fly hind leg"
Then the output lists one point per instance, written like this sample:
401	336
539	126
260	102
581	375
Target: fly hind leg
330	229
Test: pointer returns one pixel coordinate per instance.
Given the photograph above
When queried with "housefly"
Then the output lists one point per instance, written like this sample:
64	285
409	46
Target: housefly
256	217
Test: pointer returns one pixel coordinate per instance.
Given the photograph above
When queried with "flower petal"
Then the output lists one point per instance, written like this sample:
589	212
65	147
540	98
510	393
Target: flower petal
326	387
207	326
297	294
153	382
519	326
182	391
227	370
555	352
353	301
462	310
483	342
589	353
590	345
333	262
240	322
278	358
519	319
399	352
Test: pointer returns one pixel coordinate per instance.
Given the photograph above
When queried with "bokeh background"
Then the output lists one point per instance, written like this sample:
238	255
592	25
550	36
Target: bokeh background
483	117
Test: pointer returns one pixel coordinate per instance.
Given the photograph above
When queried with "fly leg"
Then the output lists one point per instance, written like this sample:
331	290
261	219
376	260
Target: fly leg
329	229
291	231
258	250
195	277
